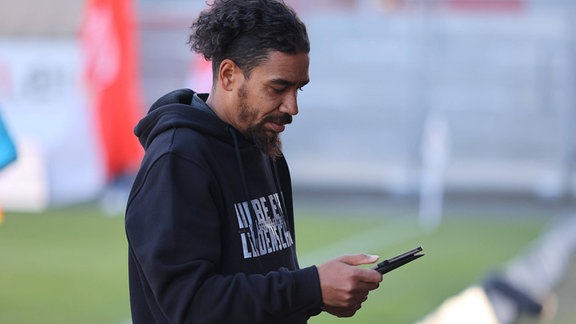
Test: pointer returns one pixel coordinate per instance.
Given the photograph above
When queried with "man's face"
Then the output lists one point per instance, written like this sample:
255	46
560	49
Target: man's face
267	100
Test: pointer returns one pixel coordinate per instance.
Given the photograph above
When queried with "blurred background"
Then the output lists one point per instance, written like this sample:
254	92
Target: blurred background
423	108
473	96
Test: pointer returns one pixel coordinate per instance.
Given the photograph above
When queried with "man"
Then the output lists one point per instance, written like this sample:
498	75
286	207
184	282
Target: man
209	220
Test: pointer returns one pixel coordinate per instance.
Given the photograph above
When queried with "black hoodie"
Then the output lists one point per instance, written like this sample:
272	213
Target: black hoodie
210	225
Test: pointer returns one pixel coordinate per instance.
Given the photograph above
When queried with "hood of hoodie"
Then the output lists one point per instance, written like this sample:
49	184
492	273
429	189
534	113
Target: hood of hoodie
176	110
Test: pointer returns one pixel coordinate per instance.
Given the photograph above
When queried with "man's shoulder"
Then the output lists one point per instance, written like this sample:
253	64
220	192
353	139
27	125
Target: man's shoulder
181	140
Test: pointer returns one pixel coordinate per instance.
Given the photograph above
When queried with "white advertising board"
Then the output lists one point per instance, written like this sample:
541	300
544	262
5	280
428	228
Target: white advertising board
44	102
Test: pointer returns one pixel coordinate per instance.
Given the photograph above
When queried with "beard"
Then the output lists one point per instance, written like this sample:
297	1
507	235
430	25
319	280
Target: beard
267	141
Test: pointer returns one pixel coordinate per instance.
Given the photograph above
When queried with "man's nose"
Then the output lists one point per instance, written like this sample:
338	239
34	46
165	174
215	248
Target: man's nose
290	104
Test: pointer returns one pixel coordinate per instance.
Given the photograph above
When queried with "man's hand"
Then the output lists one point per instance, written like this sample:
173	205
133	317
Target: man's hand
345	286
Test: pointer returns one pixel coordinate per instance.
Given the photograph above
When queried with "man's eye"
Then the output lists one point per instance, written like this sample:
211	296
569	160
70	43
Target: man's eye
278	90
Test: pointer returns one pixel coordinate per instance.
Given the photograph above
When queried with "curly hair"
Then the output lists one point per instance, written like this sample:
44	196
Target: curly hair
245	31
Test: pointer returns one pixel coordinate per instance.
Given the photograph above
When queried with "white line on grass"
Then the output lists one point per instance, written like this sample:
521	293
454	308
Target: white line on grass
368	242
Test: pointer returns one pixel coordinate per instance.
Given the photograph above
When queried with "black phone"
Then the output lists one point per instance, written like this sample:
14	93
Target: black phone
398	261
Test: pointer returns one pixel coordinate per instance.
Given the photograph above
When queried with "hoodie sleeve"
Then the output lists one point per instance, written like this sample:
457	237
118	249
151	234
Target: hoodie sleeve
173	231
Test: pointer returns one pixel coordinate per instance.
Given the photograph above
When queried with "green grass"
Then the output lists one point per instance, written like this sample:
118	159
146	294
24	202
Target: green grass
458	254
461	252
69	265
64	266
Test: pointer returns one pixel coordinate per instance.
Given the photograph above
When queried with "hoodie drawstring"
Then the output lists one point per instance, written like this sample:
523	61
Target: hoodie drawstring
253	225
283	205
239	161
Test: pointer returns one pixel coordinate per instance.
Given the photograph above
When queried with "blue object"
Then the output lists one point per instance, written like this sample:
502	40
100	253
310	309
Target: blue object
7	147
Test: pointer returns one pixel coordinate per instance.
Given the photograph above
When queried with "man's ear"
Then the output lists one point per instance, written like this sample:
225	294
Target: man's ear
228	74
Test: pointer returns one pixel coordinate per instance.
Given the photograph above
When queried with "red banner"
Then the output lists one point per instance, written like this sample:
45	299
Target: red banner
111	72
486	5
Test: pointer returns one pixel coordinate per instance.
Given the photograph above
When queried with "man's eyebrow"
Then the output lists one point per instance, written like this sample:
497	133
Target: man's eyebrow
287	83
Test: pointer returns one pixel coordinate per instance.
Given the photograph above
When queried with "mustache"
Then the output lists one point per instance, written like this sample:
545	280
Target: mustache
280	119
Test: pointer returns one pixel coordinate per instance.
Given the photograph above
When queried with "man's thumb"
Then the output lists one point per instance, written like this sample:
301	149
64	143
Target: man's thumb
358	259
